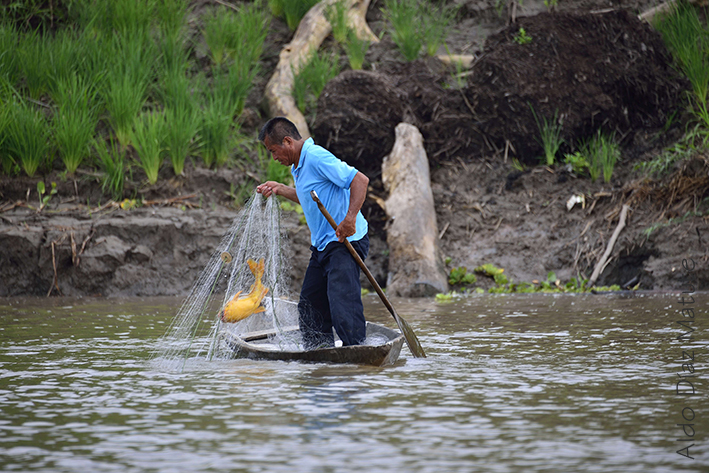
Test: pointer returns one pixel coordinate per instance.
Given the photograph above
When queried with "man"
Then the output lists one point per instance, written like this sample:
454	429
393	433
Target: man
331	295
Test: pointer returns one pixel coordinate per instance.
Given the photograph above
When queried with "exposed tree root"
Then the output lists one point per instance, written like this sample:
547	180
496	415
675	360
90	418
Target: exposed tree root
311	32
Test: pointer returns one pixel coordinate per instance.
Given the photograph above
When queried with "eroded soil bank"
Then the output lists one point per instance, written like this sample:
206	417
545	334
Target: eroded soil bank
488	210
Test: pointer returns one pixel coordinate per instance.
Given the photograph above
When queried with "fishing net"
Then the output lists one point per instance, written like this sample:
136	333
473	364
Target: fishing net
197	330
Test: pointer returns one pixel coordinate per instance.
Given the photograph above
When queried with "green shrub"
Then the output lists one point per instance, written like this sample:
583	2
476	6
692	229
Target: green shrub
460	275
405	30
578	162
148	138
27	136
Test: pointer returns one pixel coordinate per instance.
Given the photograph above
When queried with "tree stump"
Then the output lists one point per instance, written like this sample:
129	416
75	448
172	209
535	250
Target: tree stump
416	268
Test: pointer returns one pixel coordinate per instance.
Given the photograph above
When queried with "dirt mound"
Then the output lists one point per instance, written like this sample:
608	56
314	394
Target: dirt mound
357	113
608	71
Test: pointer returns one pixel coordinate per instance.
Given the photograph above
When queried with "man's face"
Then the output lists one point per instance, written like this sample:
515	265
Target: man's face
284	153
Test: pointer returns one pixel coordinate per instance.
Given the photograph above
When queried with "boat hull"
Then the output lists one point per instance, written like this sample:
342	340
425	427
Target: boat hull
245	346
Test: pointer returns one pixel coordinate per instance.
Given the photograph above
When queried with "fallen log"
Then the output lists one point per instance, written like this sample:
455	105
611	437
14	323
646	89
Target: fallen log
415	265
311	32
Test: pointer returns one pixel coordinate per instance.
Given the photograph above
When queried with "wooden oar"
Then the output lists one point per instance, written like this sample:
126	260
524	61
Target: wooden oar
409	335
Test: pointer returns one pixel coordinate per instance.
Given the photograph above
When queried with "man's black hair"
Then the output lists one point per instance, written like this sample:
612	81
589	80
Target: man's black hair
278	128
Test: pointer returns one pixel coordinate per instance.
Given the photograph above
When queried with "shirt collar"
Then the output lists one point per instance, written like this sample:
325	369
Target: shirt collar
308	143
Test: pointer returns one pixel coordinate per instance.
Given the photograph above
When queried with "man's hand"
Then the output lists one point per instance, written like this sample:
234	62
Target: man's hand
346	228
277	188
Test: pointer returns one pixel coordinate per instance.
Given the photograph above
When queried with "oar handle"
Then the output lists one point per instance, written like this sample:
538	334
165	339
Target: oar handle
416	349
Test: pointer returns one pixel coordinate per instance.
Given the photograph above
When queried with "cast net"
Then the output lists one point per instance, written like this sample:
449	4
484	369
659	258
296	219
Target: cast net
197	330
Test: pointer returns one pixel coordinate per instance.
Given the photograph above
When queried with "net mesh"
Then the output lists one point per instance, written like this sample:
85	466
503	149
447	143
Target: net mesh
196	330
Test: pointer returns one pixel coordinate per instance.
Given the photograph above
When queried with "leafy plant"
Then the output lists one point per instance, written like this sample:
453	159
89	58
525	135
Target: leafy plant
27	139
521	37
578	162
113	166
405	30
460	275
41	190
551	135
148	137
336	14
489	270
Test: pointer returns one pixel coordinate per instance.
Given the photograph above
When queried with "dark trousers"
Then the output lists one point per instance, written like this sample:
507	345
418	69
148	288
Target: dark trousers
332	296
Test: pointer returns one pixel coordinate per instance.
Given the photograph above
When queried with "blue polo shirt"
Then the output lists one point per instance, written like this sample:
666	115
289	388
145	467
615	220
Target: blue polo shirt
319	170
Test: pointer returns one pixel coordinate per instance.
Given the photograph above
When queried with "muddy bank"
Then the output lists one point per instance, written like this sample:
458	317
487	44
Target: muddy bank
488	210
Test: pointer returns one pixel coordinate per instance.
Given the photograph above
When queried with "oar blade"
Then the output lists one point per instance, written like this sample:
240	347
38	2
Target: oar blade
411	340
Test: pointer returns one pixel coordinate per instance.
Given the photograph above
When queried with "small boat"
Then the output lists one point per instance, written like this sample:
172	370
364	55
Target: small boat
382	347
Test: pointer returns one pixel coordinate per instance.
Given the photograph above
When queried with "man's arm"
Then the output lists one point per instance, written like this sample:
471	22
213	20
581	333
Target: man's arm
358	192
277	188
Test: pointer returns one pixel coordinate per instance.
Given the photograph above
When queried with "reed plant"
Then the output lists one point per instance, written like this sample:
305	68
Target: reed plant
112	162
295	10
148	138
9	61
436	24
550	131
602	152
182	124
336	14
356	49
127	83
688	40
405	26
74	120
310	81
34	64
27	136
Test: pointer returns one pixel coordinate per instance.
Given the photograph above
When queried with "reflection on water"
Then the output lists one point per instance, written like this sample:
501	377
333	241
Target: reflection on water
511	384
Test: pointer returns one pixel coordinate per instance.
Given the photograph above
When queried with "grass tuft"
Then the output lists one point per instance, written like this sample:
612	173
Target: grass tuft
337	16
310	81
148	137
356	49
27	136
112	162
405	30
602	152
550	131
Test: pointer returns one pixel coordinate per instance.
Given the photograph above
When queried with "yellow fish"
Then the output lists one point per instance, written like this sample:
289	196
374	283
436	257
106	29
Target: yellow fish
240	308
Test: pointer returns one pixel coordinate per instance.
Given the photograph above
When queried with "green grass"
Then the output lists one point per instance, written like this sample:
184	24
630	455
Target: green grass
293	10
182	123
34	64
236	36
112	162
337	16
436	24
602	152
127	17
74	121
693	142
215	130
550	131
405	29
356	49
310	81
148	138
688	40
127	83
27	136
171	16
8	53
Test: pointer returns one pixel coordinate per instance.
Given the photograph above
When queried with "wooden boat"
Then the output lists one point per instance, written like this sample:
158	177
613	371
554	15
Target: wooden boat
256	345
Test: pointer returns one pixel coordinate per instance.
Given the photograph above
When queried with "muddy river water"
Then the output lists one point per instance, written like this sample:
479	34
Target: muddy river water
572	383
